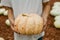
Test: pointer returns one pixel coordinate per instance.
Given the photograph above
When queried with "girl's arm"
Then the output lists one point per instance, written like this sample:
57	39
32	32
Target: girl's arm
46	12
10	16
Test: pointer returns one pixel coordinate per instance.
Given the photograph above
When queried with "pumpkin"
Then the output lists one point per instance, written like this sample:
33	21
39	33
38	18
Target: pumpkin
55	9
57	3
2	10
1	38
57	24
57	18
7	22
28	24
55	12
5	13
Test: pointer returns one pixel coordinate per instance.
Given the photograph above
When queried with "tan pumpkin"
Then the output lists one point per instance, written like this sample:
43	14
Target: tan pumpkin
29	24
2	38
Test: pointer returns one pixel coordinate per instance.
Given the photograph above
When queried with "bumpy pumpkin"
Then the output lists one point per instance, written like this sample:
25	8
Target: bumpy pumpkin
28	24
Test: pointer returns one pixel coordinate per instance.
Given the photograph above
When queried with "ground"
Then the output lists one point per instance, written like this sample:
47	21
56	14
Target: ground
5	31
52	33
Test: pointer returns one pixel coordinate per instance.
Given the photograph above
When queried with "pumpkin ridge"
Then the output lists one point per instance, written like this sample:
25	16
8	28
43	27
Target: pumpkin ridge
34	25
25	24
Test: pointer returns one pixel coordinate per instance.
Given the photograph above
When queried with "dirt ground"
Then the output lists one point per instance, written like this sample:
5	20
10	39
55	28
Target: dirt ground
5	31
51	32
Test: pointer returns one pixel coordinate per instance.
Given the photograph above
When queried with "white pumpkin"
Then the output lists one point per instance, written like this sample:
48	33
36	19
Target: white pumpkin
5	13
57	18
7	22
56	7
55	12
57	3
2	10
57	24
29	24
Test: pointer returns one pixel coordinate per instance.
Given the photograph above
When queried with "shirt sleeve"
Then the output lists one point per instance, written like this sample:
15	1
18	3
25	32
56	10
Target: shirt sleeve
45	1
6	3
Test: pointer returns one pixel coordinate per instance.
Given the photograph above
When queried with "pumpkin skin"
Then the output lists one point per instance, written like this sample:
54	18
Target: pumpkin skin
28	24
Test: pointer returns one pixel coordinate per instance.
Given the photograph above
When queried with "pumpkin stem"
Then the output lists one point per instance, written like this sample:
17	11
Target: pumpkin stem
25	15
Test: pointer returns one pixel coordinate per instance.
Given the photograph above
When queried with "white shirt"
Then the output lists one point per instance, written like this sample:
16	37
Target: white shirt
25	6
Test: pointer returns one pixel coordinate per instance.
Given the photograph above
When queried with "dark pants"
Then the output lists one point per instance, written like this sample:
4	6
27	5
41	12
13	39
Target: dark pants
40	38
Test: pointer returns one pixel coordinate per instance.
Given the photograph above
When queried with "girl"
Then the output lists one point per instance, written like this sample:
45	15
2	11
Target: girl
26	6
